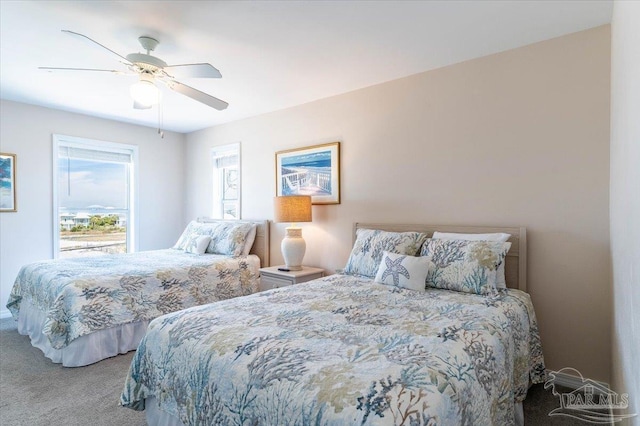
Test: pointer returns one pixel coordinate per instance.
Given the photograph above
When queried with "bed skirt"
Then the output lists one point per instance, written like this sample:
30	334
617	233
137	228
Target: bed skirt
156	417
84	350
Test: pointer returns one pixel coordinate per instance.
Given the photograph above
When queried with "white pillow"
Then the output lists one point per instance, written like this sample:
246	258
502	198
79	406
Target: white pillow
404	271
498	236
197	244
501	281
251	237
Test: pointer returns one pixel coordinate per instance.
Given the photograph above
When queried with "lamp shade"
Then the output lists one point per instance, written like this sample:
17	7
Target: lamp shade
292	208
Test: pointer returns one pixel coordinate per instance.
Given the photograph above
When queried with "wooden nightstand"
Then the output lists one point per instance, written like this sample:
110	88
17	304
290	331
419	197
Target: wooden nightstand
272	278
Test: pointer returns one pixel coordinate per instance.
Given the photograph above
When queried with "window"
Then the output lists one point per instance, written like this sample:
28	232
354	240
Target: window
226	181
94	197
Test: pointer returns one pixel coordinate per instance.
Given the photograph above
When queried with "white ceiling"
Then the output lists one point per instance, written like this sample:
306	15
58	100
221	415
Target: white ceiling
272	54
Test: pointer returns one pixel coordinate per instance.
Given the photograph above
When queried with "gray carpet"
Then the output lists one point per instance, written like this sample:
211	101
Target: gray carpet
36	392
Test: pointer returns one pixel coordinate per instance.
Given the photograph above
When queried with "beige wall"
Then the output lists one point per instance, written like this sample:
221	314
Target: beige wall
27	235
625	200
516	138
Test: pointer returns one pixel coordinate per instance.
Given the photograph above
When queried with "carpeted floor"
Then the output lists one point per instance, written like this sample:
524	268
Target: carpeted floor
36	392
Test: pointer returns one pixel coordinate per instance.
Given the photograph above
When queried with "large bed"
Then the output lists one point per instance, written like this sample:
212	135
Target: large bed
81	310
346	349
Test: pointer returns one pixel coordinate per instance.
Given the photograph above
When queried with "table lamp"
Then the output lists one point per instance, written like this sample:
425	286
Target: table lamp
293	209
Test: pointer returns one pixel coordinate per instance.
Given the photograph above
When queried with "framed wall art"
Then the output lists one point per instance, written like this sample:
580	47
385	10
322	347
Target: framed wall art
313	170
7	182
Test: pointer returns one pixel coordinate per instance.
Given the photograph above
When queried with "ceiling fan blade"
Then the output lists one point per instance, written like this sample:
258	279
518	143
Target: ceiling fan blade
138	105
84	37
197	95
193	71
79	69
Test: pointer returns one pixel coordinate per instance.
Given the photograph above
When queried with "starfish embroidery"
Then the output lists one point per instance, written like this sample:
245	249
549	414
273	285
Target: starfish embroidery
395	269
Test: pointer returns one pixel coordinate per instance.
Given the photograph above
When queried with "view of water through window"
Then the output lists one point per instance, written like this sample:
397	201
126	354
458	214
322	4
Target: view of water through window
93	198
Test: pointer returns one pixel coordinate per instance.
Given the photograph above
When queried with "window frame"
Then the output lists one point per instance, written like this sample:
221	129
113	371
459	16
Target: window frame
73	141
217	175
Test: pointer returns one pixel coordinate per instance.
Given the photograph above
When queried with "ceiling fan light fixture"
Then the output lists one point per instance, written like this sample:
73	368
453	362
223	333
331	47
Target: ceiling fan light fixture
145	92
150	69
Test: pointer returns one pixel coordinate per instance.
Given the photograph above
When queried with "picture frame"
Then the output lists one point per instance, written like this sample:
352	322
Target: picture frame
312	170
8	182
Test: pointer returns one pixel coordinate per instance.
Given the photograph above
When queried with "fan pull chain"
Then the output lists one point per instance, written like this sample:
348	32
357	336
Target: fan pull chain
160	131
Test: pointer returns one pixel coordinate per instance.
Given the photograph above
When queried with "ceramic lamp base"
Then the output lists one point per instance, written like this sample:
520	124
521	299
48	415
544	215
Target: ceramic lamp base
293	248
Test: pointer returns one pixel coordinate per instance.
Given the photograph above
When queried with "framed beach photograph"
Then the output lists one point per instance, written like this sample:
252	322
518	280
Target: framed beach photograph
7	182
313	170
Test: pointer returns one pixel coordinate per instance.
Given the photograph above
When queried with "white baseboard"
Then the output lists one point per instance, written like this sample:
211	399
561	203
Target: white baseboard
5	313
573	382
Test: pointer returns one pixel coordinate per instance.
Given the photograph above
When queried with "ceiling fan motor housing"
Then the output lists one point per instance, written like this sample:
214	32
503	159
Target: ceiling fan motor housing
143	61
146	62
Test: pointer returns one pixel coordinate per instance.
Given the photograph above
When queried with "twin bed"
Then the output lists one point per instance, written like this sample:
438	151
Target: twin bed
364	347
82	310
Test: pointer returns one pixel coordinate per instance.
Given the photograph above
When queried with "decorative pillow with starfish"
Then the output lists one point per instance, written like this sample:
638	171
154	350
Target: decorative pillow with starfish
403	271
197	244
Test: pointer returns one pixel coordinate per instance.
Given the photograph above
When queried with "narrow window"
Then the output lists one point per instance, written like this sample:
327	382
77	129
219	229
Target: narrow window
226	181
94	197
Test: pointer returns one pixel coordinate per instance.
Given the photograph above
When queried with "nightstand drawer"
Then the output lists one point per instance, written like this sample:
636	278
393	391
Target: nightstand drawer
309	277
267	282
274	277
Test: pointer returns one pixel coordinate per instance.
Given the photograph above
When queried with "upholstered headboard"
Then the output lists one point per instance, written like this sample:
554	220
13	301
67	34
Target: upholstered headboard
260	245
516	261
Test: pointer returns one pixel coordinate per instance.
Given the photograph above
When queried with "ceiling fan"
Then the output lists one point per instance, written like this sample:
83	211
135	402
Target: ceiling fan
151	69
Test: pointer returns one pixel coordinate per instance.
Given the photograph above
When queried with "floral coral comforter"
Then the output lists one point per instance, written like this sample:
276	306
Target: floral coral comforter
341	350
83	295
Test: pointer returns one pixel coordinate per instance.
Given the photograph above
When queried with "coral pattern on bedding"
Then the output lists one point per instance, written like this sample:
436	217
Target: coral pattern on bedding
83	295
341	350
372	243
462	265
226	237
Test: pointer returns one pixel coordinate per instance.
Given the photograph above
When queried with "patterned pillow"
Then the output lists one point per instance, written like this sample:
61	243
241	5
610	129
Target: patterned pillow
226	237
468	266
404	271
370	244
251	237
501	280
197	244
229	238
